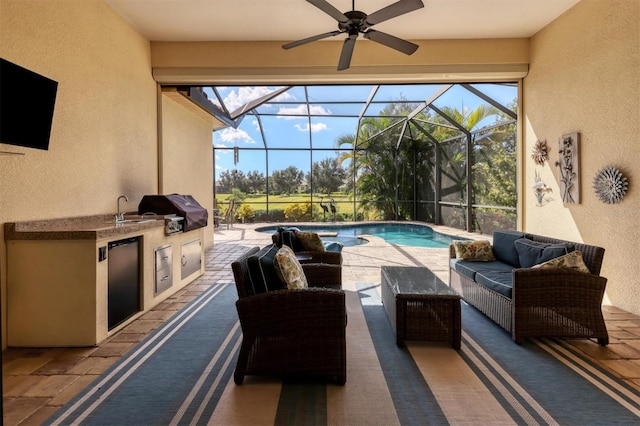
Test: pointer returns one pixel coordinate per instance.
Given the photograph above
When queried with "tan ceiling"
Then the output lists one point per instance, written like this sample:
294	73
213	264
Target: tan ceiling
288	20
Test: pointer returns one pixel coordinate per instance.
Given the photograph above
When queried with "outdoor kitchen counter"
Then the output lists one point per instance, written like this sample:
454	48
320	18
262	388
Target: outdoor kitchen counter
63	282
77	228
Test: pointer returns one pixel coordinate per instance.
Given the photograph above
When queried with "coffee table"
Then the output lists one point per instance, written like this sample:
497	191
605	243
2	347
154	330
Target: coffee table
420	306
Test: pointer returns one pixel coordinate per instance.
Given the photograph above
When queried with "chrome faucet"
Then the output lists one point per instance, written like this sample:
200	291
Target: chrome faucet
120	216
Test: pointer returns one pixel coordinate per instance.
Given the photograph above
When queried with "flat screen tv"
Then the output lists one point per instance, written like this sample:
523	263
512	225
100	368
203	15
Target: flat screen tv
27	101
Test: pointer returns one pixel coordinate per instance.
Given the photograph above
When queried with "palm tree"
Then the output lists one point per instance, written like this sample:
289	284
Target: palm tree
373	160
386	171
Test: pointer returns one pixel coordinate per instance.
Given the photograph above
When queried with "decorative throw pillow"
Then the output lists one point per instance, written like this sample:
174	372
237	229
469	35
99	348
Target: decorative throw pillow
504	248
288	236
262	273
474	250
534	252
310	241
333	246
289	269
572	260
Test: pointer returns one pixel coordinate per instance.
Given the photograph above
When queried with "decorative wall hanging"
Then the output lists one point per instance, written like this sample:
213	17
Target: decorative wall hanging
610	185
569	168
540	188
540	153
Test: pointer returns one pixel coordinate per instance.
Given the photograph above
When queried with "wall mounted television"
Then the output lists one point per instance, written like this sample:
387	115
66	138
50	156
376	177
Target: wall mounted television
27	101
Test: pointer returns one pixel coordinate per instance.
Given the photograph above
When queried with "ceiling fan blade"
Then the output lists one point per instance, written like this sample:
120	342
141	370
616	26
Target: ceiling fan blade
393	42
327	8
310	39
347	51
396	9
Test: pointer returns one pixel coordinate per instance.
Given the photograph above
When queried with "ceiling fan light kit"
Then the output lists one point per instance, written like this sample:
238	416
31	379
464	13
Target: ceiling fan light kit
355	22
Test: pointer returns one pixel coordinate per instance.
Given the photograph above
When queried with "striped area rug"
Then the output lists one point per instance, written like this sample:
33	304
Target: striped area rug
182	374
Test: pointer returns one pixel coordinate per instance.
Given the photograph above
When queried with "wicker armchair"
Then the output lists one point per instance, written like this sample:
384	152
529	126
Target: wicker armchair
292	332
305	256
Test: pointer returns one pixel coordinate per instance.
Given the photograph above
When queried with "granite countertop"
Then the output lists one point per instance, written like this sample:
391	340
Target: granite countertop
79	228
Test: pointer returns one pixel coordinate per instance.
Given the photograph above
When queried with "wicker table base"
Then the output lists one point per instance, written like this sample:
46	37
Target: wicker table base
420	306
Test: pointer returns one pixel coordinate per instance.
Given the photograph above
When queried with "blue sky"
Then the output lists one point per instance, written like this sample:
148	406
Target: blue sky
333	113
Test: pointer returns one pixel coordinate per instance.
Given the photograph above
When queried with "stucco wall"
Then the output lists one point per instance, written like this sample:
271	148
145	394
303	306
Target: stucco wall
583	78
187	157
104	139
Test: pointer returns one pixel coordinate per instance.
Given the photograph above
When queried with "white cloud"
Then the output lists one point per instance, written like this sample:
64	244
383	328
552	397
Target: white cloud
231	135
301	110
244	95
286	96
319	110
315	127
223	149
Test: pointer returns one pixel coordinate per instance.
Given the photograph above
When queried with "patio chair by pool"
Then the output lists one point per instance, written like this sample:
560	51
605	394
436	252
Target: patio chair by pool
227	218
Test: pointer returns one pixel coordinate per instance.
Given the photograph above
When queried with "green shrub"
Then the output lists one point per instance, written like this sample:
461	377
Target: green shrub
245	213
299	212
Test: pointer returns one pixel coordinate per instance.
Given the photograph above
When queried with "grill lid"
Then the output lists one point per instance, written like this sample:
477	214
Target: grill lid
195	216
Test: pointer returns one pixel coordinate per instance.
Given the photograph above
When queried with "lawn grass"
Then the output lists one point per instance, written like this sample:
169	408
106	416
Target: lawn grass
279	202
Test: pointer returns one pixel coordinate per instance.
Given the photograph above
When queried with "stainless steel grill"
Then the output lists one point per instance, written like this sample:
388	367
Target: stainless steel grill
182	212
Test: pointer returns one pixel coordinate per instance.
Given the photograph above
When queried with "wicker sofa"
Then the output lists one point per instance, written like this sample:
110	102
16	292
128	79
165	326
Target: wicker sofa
530	301
299	332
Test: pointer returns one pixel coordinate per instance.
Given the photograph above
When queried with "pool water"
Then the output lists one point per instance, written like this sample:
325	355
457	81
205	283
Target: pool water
394	233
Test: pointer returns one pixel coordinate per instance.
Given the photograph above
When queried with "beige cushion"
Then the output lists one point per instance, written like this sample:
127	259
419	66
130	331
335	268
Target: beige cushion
571	260
289	269
479	251
310	241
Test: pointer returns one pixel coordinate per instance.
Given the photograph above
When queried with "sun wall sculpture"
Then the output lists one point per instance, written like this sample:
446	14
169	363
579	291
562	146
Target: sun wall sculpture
610	185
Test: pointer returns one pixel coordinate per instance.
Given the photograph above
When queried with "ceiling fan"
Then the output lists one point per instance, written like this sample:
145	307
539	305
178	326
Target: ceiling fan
355	22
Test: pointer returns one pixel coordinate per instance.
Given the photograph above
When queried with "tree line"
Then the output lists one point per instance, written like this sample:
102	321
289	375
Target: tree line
326	176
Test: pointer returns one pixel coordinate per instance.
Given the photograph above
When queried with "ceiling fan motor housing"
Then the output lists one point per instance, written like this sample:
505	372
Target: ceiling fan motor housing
357	20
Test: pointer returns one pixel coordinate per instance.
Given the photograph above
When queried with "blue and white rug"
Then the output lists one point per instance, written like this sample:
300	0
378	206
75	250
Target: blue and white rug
182	374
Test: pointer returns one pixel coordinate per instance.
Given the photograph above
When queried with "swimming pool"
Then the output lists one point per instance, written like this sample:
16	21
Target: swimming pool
405	234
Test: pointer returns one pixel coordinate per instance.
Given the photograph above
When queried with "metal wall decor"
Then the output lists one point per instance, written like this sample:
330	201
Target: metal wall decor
540	153
540	188
610	185
568	164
